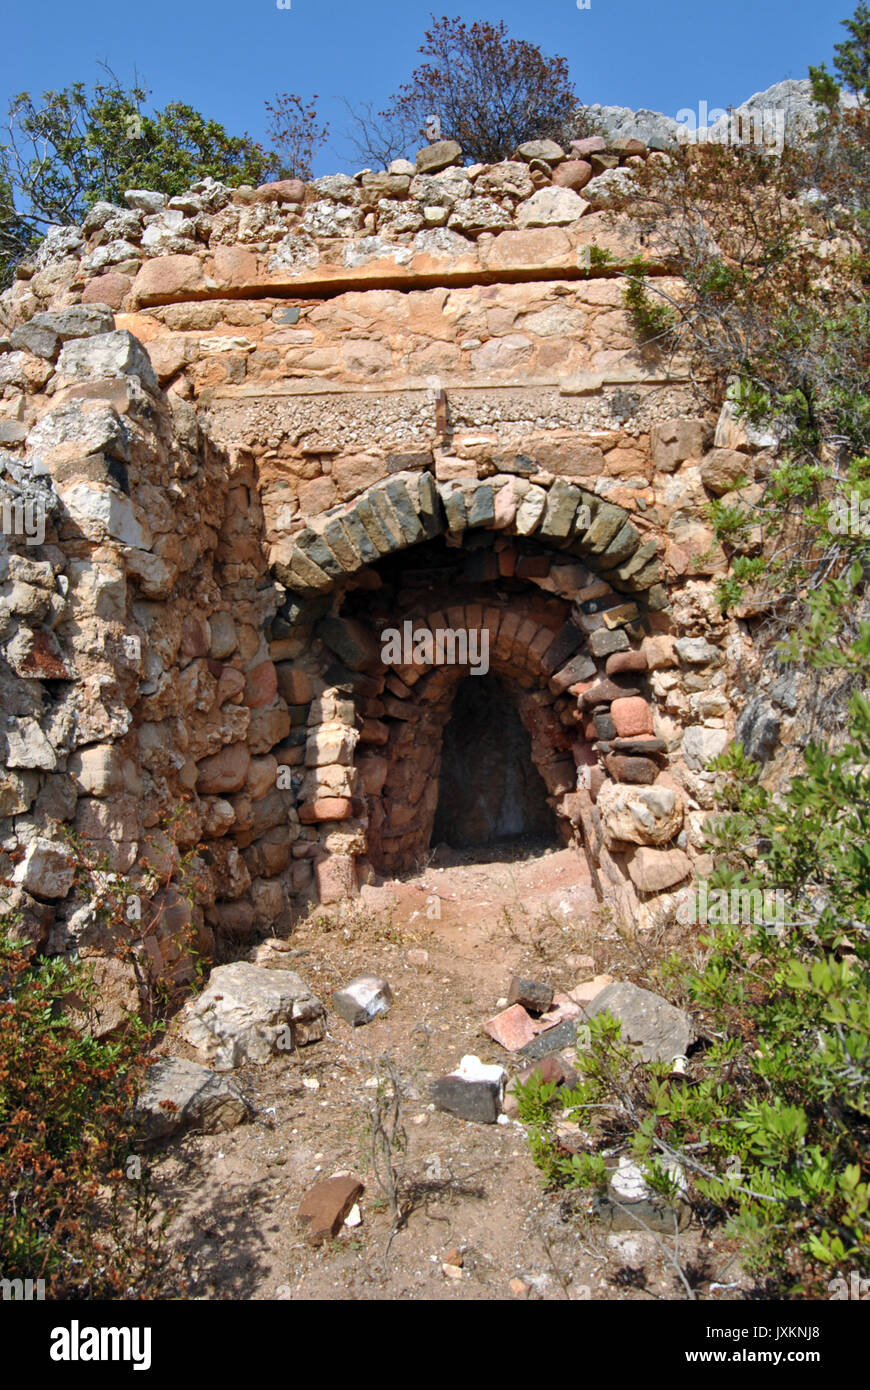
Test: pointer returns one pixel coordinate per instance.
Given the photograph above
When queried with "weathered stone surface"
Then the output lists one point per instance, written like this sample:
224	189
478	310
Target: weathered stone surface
178	1095
441	155
546	150
640	747
30	337
758	729
98	770
657	870
551	207
510	177
114	354
640	815
701	745
580	668
245	1014
325	808
696	651
362	1000
112	998
661	1031
351	641
224	772
281	191
723	469
335	876
638	771
46	871
553	1040
562	502
474	1091
632	716
587	990
168	277
144	200
673	441
77	321
604	692
623	545
608	181
606	524
573	173
590	144
474	215
603	643
623	663
660	652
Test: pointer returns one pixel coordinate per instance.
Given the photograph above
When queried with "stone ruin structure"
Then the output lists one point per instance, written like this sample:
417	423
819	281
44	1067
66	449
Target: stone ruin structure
261	427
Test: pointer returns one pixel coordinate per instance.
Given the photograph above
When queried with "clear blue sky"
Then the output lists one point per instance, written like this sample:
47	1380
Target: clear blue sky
225	57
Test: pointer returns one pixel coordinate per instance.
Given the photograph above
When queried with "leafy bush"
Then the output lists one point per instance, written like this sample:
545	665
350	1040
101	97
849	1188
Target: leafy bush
772	1128
74	1210
650	318
479	86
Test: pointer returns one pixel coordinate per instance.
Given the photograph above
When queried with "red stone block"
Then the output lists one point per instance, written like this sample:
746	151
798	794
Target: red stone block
512	1028
326	1206
110	289
329	808
625	661
631	716
336	878
641	771
261	685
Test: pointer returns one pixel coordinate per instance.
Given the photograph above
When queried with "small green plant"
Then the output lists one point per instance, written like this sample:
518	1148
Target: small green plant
651	319
74	1210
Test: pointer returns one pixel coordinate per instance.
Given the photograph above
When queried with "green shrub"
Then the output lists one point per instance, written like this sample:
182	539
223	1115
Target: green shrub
772	1128
75	1205
651	319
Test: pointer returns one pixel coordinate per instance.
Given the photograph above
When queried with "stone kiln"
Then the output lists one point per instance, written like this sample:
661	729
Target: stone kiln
264	427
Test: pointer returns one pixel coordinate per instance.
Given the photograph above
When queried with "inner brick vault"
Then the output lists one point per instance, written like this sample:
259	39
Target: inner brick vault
534	611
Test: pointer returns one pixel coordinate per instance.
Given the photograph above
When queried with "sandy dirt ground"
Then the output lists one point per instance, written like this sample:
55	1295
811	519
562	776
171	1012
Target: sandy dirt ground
477	1223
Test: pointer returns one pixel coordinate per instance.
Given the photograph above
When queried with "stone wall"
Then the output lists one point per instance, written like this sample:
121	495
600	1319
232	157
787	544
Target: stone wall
264	425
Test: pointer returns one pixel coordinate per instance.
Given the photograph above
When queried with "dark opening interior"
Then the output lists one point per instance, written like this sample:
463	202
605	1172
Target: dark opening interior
489	791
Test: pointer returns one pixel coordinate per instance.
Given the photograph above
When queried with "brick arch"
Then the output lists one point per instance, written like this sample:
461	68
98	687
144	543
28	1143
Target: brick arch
408	508
373	738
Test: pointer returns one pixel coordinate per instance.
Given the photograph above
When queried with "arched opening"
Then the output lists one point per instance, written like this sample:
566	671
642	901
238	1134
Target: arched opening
490	792
411	747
